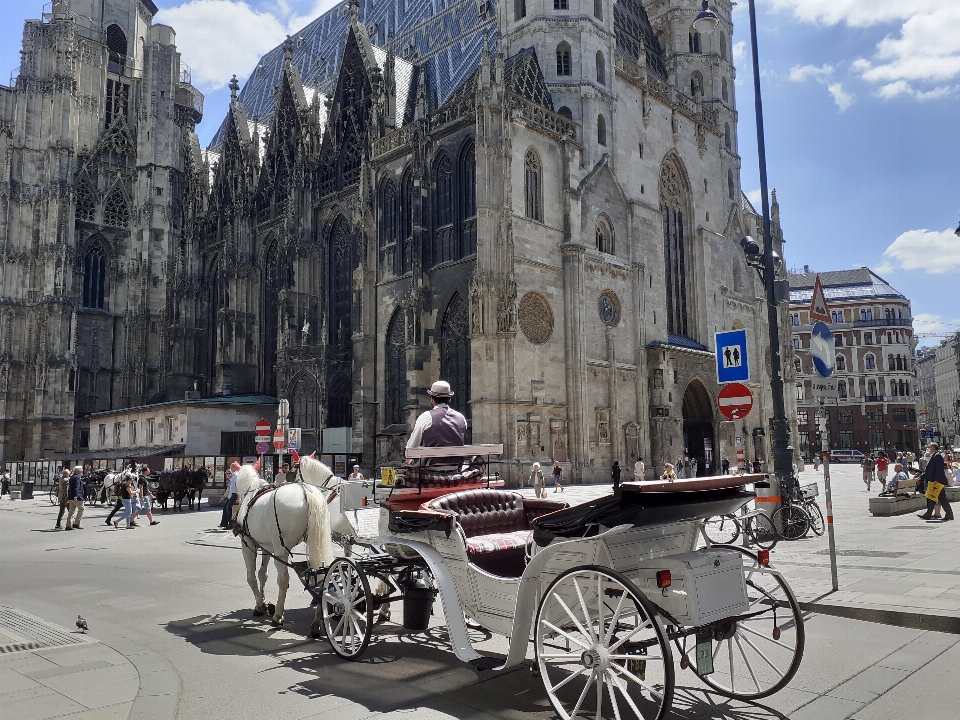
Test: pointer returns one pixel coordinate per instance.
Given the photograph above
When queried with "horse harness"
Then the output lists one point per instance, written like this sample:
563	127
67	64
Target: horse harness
243	531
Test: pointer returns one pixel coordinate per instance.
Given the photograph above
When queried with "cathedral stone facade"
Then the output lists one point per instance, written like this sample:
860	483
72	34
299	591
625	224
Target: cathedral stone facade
536	200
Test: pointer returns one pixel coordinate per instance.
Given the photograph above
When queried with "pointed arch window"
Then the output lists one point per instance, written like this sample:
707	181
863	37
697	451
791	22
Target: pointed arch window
341	272
841	362
519	9
601	69
405	248
605	235
117	49
443	210
731	188
467	202
724	91
722	43
305	404
94	276
727	142
601	131
563	59
455	352
532	185
674	204
598	9
116	210
694	41
388	225
395	395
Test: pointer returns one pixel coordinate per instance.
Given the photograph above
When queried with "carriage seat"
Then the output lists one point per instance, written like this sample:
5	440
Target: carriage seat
497	524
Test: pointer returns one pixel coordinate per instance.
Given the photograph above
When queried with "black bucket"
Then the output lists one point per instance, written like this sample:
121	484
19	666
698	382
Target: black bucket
417	605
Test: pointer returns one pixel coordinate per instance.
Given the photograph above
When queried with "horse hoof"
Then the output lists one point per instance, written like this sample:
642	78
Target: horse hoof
258	612
276	622
314	630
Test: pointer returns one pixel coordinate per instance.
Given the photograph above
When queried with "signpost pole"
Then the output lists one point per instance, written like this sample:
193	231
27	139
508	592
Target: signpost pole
825	447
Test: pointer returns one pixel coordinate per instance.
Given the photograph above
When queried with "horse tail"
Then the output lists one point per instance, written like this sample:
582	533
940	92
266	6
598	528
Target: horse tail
319	544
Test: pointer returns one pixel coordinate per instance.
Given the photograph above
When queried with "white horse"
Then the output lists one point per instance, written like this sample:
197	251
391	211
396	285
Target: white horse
277	522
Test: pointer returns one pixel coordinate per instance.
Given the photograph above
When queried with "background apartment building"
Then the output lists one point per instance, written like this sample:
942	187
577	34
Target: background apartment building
873	332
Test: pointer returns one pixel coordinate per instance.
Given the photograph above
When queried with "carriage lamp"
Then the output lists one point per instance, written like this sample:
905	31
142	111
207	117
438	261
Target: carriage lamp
663	579
763	557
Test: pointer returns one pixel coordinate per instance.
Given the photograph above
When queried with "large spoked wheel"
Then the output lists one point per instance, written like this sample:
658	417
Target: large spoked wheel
722	529
816	519
601	650
347	607
760	653
792	522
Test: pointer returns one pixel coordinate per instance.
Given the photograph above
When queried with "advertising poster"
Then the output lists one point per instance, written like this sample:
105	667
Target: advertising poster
340	465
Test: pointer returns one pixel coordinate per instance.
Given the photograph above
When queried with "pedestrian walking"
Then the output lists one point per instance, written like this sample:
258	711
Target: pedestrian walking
146	496
694	467
615	474
4	484
678	469
75	498
127	492
935	477
536	480
557	476
63	483
724	466
230	496
883	463
638	469
118	503
867	465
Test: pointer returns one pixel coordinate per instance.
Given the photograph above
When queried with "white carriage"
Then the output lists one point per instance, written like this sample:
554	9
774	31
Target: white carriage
605	590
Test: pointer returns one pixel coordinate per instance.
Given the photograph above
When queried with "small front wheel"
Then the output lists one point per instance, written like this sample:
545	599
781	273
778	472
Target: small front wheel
601	650
816	519
722	529
347	607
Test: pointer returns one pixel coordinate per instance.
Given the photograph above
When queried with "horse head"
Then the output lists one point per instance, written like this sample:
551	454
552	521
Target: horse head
248	479
316	473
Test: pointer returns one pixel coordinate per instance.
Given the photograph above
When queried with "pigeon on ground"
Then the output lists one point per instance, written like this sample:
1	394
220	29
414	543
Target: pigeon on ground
82	624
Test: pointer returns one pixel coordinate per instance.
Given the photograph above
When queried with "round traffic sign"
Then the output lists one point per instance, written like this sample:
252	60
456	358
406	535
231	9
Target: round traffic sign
263	448
278	439
822	349
262	427
735	401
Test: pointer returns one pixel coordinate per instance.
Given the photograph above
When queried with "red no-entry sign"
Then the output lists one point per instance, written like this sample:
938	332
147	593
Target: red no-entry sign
735	401
263	428
278	439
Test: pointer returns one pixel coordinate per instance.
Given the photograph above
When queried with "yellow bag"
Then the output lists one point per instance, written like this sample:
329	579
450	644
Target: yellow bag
933	491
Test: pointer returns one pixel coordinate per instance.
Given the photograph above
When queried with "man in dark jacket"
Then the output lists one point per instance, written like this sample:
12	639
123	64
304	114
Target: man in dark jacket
75	498
934	472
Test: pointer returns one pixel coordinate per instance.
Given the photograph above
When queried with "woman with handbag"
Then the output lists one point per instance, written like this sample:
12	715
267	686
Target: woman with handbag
536	479
935	477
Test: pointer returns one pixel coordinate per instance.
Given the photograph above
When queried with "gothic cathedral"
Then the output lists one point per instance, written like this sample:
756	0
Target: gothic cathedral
536	200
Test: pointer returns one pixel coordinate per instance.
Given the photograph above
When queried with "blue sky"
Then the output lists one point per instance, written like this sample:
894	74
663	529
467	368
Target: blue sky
860	105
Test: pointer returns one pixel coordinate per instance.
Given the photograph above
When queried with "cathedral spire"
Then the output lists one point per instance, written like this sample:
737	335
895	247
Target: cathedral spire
234	88
288	50
354	11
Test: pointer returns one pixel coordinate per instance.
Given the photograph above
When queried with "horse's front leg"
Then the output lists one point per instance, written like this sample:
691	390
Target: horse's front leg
250	560
283	582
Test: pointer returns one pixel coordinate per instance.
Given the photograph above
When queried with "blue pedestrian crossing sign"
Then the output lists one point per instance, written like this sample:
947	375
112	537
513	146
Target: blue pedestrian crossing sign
822	349
732	365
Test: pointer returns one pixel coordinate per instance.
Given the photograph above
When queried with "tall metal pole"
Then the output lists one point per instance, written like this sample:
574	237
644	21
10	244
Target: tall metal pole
780	429
825	447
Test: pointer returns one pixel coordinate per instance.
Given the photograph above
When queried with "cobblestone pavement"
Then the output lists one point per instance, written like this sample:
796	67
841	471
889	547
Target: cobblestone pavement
171	633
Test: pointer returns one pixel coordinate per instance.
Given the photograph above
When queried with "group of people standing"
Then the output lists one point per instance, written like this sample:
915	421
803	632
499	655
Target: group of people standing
133	497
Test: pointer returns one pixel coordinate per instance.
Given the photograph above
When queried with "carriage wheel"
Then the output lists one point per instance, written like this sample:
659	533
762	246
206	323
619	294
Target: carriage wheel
601	650
347	607
758	655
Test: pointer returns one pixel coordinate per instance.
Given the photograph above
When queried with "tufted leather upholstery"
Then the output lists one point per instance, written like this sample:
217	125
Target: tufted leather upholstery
485	511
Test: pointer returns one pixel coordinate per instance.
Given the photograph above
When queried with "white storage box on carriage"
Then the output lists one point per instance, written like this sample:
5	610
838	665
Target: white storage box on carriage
705	586
352	493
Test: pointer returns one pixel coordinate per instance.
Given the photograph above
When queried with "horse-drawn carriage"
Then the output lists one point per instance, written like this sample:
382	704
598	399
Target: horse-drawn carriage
604	590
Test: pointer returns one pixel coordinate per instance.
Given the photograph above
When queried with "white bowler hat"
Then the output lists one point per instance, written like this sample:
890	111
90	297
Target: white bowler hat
441	388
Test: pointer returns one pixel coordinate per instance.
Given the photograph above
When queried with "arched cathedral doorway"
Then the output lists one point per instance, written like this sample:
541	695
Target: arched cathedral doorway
698	439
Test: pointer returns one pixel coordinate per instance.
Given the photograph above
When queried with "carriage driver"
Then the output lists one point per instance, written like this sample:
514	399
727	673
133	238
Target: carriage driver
440	426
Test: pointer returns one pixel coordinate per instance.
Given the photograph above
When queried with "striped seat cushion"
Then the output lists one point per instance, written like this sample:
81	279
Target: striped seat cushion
481	544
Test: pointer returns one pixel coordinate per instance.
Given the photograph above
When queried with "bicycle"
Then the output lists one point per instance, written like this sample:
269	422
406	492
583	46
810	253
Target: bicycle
808	496
755	526
791	520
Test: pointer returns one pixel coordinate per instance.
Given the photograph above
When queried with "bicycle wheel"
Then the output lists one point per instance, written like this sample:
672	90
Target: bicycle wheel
53	496
791	522
759	531
722	529
816	518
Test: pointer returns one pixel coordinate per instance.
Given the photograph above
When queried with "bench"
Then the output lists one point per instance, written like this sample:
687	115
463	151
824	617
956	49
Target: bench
906	500
497	525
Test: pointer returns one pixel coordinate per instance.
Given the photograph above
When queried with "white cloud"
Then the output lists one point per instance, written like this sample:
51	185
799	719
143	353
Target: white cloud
754	196
823	75
919	62
802	73
217	38
928	322
739	52
930	251
841	97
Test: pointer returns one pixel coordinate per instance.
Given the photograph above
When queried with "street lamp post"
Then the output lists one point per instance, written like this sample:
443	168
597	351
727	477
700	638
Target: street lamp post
767	262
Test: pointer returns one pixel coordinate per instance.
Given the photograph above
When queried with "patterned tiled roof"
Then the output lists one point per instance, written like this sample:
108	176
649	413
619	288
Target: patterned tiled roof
680	342
446	35
522	75
842	285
